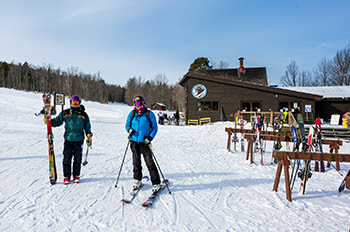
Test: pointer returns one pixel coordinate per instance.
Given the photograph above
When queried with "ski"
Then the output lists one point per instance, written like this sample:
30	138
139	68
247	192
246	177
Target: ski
242	135
296	146
52	163
153	196
343	183
307	174
280	121
133	192
318	144
260	142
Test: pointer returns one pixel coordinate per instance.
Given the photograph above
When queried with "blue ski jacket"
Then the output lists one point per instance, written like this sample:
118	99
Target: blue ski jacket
141	125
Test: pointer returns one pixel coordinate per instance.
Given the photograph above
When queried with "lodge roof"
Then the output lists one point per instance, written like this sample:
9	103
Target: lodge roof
249	85
327	92
253	75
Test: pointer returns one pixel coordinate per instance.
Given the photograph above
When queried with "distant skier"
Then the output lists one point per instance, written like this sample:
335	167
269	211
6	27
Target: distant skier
161	117
177	117
141	125
76	122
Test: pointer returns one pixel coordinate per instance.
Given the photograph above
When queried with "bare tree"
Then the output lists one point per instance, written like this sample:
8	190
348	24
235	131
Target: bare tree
305	78
322	73
221	65
291	75
179	97
340	68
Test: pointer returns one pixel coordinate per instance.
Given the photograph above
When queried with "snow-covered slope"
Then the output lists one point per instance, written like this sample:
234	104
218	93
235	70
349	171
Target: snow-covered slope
212	189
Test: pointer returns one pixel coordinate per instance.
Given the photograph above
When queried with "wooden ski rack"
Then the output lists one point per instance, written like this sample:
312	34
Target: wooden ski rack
251	138
230	130
284	157
334	145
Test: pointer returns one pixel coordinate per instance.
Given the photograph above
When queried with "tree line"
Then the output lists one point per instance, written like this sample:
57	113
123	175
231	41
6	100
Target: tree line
90	87
156	91
332	72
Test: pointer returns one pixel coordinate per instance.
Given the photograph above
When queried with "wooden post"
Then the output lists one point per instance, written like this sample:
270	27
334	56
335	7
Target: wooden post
278	176
286	164
251	152
229	140
271	118
248	148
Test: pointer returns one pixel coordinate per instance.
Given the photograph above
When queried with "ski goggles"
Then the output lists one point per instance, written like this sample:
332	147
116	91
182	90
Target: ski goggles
74	103
138	102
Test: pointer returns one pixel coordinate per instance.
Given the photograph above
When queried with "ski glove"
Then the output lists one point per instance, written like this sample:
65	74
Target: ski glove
148	139
46	120
89	140
131	132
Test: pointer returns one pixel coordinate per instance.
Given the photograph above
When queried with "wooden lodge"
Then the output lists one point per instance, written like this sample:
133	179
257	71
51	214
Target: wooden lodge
219	94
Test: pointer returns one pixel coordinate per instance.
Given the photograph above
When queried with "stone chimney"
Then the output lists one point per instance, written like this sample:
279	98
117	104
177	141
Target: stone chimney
241	69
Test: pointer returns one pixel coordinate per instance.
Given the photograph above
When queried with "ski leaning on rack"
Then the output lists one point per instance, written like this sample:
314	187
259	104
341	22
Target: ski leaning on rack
296	146
318	144
307	162
52	163
133	192
154	195
343	183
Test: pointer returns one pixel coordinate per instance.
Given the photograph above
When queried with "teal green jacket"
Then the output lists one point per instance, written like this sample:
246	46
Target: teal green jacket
76	122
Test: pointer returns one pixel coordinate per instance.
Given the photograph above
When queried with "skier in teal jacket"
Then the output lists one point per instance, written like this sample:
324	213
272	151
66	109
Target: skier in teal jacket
76	122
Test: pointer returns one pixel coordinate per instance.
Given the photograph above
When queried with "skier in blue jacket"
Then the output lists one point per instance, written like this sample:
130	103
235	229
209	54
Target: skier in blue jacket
141	125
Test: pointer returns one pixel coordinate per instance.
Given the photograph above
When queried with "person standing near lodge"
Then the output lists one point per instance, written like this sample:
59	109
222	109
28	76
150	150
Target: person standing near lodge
177	117
141	125
161	117
76	122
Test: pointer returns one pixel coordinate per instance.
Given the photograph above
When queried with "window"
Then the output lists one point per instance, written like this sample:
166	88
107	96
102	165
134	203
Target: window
207	106
251	106
256	106
283	105
246	106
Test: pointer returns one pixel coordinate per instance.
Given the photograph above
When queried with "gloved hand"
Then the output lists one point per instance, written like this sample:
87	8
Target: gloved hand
148	139
89	140
46	120
131	132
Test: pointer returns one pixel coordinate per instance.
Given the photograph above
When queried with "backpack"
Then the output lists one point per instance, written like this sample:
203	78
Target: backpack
147	115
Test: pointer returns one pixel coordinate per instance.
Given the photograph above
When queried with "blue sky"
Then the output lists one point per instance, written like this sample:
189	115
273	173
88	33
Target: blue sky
128	38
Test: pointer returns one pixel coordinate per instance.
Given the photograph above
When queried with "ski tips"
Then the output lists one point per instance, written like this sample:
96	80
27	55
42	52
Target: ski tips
125	201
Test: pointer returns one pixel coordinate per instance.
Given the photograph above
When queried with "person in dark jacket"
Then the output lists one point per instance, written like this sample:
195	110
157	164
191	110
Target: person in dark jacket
177	117
141	125
76	122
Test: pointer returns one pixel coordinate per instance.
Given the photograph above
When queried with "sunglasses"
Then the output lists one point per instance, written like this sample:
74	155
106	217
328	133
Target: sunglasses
75	103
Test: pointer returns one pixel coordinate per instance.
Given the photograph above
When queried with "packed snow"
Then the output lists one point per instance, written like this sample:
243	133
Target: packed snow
212	189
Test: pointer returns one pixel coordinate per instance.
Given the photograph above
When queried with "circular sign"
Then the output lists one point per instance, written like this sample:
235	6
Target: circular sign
199	91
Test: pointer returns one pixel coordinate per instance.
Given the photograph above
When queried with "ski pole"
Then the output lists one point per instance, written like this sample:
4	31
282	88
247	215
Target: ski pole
126	150
166	183
86	155
295	174
336	169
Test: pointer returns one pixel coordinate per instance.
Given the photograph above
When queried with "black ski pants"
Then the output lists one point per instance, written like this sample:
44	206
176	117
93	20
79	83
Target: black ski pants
142	148
70	150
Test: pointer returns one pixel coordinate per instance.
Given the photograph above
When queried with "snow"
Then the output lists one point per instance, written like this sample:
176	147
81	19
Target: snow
325	91
212	189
